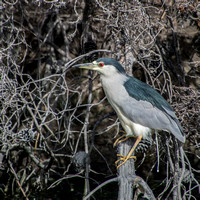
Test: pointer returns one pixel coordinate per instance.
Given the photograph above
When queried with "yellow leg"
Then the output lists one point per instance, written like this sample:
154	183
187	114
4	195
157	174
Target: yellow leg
125	158
126	138
117	141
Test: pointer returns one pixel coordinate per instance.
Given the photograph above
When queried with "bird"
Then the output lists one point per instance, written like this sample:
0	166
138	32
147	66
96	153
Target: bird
140	108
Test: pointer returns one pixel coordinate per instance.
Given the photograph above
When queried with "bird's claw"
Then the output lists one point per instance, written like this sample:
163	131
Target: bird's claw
119	140
122	138
124	159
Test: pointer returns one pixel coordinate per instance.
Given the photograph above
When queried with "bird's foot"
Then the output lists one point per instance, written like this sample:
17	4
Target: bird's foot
117	141
124	159
121	139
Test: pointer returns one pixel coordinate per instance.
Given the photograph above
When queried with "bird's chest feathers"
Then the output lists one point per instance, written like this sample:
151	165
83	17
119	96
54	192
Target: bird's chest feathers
115	92
117	96
114	88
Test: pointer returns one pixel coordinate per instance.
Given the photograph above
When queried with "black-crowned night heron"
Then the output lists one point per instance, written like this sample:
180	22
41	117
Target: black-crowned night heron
140	108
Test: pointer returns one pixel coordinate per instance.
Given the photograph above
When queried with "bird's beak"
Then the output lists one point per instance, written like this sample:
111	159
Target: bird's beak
92	66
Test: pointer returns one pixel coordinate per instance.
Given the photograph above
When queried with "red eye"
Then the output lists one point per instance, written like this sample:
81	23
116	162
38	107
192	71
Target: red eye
101	64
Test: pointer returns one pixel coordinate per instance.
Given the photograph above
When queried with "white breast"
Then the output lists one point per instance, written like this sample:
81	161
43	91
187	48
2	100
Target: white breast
116	93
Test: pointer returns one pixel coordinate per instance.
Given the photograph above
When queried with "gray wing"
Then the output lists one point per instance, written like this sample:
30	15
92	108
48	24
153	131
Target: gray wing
145	106
144	113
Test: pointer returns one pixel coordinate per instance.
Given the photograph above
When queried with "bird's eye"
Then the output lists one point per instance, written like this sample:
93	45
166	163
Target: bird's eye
101	64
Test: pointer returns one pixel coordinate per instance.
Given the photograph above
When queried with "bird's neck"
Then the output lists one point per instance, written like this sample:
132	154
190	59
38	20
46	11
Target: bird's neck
116	79
113	83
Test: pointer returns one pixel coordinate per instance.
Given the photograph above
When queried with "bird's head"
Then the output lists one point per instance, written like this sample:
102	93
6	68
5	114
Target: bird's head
105	66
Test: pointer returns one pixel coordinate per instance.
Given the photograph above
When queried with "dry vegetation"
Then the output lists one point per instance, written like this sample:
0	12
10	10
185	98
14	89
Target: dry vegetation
50	112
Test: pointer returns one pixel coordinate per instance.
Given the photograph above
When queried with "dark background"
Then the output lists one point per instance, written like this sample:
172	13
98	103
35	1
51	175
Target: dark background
50	111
